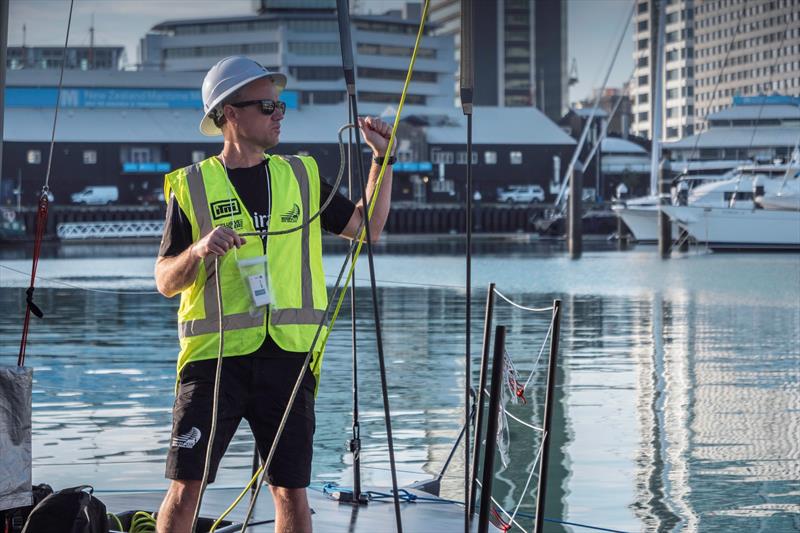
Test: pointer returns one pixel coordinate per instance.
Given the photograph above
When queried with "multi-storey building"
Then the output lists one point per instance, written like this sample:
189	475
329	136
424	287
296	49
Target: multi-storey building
520	51
78	57
678	72
744	48
301	38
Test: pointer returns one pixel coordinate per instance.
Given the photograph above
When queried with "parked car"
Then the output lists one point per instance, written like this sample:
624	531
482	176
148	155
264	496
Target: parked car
520	194
96	195
156	196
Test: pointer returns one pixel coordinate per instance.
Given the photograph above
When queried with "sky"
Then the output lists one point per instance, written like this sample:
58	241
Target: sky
593	28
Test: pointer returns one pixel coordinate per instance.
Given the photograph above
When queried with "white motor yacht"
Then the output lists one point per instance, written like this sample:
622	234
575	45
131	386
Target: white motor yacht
730	214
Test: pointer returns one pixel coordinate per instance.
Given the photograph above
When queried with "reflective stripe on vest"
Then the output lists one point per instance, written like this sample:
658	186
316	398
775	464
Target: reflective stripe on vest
210	324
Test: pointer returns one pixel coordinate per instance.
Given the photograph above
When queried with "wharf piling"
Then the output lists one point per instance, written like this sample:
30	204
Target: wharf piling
575	212
664	223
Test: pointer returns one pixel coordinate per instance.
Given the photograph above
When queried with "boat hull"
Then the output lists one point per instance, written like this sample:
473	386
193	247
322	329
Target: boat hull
643	222
739	229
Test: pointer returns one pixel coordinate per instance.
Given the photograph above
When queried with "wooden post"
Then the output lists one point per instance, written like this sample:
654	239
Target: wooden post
664	223
574	212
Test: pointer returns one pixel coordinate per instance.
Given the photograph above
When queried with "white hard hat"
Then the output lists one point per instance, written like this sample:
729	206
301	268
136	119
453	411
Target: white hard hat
224	78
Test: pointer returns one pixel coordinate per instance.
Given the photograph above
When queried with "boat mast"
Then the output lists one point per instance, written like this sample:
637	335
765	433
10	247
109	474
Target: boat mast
466	93
3	46
658	95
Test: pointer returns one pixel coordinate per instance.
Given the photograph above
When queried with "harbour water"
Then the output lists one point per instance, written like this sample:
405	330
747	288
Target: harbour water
678	400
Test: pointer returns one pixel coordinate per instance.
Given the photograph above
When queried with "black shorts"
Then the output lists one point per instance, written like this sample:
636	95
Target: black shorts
256	389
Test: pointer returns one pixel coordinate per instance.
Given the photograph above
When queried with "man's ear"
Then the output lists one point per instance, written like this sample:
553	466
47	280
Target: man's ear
229	112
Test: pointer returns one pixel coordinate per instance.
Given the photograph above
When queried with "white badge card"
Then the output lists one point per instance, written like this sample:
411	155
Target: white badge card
254	276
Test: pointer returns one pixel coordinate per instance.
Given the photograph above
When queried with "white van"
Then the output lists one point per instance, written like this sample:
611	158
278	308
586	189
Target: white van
96	195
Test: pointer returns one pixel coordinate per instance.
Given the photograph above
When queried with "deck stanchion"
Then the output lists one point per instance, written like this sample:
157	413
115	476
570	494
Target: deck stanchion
487	341
574	213
491	429
548	416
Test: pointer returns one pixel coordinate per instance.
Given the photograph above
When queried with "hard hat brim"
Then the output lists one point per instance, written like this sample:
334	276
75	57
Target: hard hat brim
207	126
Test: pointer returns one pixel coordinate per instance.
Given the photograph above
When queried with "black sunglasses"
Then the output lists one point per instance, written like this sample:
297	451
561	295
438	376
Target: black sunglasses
268	107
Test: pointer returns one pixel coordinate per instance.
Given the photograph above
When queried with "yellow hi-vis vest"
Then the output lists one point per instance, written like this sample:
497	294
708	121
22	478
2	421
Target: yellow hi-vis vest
294	262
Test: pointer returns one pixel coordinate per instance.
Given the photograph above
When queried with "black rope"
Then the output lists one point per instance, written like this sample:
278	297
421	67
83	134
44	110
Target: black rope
345	39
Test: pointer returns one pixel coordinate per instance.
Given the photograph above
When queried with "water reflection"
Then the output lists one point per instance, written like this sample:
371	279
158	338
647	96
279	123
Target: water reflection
676	402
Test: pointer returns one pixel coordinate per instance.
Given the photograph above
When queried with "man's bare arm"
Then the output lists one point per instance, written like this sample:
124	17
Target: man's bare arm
382	205
175	274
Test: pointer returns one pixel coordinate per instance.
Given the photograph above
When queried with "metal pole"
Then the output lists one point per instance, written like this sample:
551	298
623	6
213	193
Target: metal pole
476	449
574	222
664	223
657	99
3	46
355	442
491	429
345	38
466	86
548	417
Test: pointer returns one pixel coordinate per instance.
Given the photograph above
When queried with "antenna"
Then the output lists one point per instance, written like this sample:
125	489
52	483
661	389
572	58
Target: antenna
91	44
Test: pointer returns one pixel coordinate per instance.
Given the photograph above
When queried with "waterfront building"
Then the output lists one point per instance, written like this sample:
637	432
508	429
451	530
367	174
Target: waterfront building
761	128
78	57
128	128
744	49
301	39
679	68
520	51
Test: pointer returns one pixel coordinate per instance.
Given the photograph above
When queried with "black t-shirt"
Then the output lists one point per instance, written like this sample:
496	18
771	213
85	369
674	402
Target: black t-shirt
251	184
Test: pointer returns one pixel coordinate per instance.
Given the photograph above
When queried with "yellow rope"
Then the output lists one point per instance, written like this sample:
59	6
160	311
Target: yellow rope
361	237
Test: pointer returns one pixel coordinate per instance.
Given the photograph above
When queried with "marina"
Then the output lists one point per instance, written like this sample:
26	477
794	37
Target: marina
519	302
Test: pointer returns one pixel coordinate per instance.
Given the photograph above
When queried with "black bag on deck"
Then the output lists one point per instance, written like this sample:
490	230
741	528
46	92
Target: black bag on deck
72	510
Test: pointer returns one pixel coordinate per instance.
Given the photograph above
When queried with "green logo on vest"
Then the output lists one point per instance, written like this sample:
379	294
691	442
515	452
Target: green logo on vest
225	208
292	215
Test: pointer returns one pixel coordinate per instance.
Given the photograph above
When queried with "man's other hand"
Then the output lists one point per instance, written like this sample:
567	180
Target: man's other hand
218	242
376	134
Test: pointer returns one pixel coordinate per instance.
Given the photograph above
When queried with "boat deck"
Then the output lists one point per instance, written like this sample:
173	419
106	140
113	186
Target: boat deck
328	515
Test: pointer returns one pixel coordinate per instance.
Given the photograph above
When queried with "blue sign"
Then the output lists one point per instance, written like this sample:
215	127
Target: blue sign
88	98
767	99
138	168
413	166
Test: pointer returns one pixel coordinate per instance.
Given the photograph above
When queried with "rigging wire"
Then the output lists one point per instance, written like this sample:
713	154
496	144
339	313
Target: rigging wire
41	214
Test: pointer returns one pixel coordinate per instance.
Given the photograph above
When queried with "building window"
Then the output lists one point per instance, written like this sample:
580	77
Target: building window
34	157
490	158
515	157
313	49
438	156
140	155
642	7
90	157
642	45
641	62
643	80
198	155
642	117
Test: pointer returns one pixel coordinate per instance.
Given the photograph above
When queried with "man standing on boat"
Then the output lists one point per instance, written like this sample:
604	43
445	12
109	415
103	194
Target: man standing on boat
210	204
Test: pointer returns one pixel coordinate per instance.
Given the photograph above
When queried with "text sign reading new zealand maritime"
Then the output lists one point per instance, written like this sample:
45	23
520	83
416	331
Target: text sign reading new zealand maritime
83	97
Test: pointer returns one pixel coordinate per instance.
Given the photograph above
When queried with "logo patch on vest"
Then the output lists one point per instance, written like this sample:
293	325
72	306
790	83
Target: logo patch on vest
292	215
225	208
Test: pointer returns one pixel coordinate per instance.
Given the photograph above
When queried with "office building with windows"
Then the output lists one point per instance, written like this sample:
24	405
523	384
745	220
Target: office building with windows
301	39
678	72
520	51
78	57
744	48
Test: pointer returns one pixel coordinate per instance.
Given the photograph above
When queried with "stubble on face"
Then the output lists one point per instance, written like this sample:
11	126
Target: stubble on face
254	127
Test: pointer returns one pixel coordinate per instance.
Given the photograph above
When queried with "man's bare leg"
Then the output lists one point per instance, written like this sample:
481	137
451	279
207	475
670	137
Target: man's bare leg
292	514
177	509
